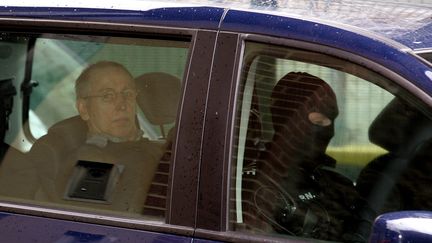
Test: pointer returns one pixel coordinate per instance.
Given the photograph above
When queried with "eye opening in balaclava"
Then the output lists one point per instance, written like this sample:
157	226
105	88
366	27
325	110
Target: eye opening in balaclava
319	119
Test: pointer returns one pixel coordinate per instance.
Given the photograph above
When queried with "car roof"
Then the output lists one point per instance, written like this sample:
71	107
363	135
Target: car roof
409	24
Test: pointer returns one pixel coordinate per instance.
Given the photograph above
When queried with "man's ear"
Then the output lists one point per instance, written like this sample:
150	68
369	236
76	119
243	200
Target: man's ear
81	106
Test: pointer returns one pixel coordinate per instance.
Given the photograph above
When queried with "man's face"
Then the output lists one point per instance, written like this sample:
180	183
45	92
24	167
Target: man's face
110	105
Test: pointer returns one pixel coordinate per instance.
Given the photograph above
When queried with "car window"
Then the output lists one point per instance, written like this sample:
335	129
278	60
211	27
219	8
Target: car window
427	56
322	146
58	62
98	117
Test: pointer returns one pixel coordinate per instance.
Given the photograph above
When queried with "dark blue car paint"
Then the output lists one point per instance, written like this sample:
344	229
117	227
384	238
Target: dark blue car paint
24	228
196	17
417	39
398	227
382	52
376	50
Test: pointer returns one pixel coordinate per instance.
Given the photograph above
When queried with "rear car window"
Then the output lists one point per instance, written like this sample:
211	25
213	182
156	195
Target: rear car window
93	127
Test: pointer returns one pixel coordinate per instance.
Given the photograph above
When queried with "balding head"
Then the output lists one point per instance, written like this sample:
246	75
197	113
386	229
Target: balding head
106	100
92	72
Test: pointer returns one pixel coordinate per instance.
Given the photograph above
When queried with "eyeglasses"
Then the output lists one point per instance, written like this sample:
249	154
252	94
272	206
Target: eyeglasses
110	96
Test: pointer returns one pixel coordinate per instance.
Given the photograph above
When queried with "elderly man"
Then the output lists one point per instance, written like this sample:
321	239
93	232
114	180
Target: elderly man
112	165
106	100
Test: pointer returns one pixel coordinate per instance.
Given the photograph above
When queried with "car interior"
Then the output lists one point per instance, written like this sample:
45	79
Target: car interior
23	151
294	180
292	171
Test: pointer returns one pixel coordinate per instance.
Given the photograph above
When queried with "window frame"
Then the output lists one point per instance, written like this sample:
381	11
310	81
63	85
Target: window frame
425	55
180	218
221	160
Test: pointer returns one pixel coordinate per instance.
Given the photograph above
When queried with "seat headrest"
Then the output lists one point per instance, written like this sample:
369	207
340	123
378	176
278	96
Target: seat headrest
399	125
158	96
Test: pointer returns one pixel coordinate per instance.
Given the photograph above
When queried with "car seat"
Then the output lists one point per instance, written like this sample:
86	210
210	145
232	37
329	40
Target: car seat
16	173
159	96
399	179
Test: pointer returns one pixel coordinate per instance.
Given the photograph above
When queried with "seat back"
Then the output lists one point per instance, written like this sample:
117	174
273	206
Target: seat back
52	150
406	134
398	179
400	128
159	96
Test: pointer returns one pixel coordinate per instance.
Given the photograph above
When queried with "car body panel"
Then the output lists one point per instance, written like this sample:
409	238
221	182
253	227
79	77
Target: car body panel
24	228
406	226
192	17
386	53
363	42
403	22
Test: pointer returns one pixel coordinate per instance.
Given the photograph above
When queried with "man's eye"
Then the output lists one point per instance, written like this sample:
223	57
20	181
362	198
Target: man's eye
108	96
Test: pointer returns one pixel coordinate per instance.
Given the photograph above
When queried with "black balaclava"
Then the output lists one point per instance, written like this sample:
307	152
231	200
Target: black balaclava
299	208
294	98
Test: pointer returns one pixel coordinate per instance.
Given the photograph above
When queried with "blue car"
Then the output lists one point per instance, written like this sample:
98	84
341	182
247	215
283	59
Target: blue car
215	121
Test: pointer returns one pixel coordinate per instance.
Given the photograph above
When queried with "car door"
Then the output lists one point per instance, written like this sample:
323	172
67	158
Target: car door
299	134
41	197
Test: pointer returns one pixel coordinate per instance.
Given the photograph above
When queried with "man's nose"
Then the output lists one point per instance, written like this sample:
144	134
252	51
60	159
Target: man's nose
121	101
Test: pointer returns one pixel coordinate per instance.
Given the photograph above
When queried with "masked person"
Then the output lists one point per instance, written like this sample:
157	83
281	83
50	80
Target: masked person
299	193
304	108
111	165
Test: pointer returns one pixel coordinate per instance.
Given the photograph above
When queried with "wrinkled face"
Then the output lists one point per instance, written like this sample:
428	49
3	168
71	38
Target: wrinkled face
110	105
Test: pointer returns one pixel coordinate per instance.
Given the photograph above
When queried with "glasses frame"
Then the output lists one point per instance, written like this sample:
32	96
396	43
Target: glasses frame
111	96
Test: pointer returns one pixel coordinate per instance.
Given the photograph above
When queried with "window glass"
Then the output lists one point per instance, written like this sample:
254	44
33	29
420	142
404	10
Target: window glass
101	114
58	62
316	139
427	56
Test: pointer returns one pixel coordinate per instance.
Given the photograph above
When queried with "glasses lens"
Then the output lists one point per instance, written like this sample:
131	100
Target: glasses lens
129	94
108	96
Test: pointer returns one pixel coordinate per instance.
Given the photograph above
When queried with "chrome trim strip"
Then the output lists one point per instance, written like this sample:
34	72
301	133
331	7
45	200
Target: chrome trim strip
39	24
422	50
